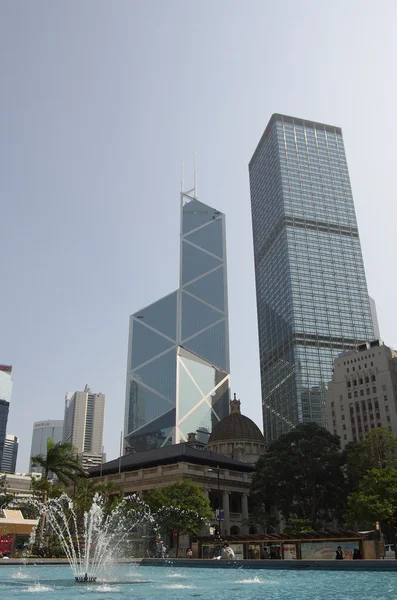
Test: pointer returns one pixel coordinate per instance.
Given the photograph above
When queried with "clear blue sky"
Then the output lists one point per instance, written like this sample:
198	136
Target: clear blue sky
99	103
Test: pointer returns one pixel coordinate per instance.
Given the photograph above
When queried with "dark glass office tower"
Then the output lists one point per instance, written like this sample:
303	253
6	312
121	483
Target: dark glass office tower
311	289
178	354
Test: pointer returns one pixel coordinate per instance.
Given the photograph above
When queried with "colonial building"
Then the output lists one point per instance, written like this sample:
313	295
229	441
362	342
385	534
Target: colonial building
237	436
224	468
363	392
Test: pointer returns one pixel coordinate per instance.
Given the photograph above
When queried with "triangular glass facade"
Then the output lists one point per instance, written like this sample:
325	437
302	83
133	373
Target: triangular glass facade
178	361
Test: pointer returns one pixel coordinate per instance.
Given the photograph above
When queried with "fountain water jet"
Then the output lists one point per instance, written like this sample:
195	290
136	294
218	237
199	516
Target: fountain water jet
102	535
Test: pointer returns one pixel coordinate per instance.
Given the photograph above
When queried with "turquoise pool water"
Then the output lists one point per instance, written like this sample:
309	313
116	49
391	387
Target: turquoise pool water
169	583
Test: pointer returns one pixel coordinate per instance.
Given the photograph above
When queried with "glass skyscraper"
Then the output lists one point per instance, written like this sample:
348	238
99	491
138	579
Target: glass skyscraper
178	351
5	397
311	289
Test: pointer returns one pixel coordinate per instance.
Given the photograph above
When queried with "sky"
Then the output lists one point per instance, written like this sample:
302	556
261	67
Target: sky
100	101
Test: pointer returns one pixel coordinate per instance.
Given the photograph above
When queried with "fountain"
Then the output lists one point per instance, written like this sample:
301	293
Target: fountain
91	542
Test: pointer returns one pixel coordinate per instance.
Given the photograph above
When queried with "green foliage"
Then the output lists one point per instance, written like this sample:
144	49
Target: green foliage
261	519
6	497
182	507
302	475
298	526
378	450
61	460
375	499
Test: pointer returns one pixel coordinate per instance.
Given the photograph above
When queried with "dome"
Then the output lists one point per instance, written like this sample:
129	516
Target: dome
236	427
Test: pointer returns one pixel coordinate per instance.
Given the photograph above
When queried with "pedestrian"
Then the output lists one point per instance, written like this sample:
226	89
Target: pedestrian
227	552
339	553
189	553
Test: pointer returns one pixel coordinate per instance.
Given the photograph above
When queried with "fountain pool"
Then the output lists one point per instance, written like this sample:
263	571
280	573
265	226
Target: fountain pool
171	583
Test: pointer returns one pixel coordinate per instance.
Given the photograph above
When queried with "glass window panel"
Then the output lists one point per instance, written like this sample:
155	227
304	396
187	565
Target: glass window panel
210	288
196	316
189	395
209	237
196	213
146	344
200	418
160	374
195	262
211	345
161	315
145	406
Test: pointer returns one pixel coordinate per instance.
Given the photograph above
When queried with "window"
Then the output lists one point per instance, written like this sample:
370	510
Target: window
341	397
344	427
373	378
367	380
343	417
354	368
368	391
355	394
333	413
385	398
349	395
361	381
361	392
354	381
386	407
388	418
332	405
348	383
384	388
374	389
372	425
345	437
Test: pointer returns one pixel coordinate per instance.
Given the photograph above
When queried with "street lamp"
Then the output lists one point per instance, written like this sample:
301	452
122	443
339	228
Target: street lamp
219	498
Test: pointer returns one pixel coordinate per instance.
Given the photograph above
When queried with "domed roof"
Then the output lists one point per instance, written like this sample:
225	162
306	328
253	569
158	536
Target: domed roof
236	427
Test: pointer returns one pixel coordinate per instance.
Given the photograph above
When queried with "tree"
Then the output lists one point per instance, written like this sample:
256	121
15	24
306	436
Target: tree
261	518
62	461
375	500
302	475
378	450
182	508
6	498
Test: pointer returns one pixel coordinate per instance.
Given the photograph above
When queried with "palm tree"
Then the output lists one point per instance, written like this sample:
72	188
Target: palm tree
62	461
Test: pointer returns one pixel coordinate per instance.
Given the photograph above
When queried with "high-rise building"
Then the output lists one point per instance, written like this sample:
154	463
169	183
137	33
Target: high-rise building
374	316
10	454
4	408
5	397
42	431
83	423
178	351
363	392
311	289
5	382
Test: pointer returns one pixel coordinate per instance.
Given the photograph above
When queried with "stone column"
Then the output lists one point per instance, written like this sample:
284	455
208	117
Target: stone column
226	509
244	512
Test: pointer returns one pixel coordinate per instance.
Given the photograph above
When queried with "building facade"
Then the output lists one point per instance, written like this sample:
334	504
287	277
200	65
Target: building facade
42	431
10	454
374	315
4	409
83	424
363	392
178	351
311	289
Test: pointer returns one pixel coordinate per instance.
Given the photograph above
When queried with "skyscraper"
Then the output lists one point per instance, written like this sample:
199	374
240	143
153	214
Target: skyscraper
10	454
311	289
42	431
178	351
83	424
374	316
5	397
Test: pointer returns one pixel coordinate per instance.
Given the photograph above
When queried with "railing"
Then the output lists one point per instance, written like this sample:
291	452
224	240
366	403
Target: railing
235	516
